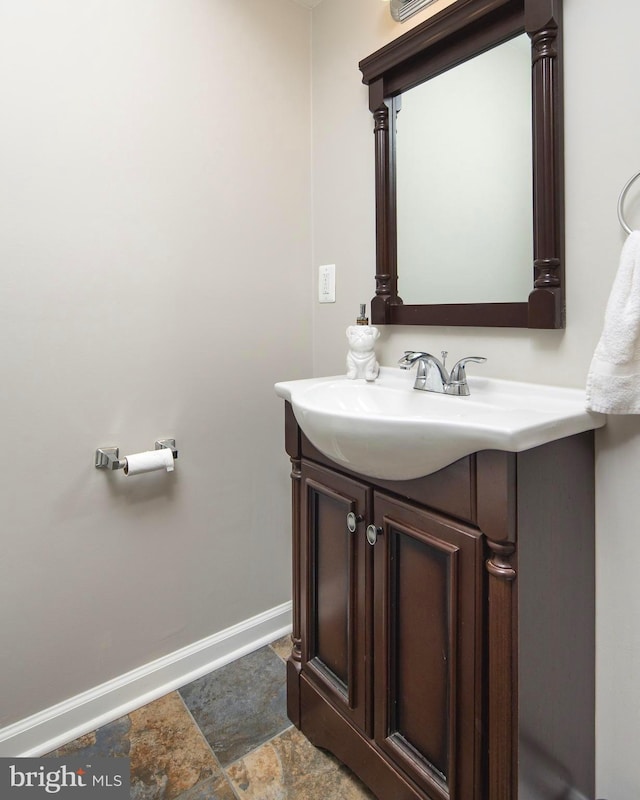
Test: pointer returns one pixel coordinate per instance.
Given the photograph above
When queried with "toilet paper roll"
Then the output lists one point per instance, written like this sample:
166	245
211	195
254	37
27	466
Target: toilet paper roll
149	461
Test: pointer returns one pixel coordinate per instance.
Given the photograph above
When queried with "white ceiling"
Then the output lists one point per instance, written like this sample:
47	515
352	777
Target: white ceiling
308	3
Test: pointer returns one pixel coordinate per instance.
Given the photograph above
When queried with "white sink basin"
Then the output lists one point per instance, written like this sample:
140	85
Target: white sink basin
389	430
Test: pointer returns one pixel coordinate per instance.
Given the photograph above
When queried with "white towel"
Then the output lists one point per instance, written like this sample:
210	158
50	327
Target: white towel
613	382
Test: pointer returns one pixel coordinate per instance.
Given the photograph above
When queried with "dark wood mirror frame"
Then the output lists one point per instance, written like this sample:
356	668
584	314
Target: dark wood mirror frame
459	32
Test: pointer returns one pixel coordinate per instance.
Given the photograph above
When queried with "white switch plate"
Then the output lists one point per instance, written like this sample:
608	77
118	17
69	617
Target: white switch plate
327	283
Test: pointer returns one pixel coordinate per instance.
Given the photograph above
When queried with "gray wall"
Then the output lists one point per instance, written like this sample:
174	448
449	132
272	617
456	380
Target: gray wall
154	253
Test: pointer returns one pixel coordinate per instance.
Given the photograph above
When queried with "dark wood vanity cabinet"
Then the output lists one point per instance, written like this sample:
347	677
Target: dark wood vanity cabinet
444	649
336	591
427	629
390	630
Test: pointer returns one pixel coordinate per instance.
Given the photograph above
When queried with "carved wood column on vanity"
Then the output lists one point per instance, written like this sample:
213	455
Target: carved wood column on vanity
496	493
293	448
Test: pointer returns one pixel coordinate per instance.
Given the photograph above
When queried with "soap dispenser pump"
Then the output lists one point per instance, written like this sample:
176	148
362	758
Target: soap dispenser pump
361	358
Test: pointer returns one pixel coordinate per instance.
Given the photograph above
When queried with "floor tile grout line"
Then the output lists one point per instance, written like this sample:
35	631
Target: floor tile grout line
195	722
255	749
211	750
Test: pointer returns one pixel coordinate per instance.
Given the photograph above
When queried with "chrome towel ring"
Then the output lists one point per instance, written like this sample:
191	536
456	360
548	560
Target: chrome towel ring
623	194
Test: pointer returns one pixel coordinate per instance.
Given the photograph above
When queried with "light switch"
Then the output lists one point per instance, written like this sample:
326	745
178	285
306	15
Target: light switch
327	283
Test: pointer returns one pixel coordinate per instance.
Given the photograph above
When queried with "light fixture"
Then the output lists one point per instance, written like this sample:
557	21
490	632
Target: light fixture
403	9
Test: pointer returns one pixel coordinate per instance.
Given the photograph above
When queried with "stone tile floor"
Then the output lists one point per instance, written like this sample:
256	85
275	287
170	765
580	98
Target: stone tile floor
225	736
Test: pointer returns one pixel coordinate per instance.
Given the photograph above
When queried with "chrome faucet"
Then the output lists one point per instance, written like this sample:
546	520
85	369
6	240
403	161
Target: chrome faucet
433	376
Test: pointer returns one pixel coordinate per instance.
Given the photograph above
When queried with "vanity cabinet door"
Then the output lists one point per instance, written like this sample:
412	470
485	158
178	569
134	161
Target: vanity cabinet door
335	586
428	648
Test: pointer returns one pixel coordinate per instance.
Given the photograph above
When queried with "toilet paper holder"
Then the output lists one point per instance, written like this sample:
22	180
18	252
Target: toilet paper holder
109	457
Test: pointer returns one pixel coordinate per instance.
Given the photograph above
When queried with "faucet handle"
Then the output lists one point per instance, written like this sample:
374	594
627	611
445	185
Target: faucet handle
458	373
410	357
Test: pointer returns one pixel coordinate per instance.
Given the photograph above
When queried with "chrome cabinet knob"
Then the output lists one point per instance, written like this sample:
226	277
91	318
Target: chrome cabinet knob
372	534
352	521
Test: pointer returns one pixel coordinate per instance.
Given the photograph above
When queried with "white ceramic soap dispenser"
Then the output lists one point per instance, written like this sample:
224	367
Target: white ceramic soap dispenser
361	358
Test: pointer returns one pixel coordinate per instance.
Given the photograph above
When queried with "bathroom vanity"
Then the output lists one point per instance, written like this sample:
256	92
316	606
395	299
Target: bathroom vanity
443	626
443	547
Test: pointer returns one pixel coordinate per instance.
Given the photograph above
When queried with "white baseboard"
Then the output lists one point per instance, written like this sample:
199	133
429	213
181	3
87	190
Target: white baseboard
48	729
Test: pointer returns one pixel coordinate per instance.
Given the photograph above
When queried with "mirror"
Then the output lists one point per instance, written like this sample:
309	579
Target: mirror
464	181
468	130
